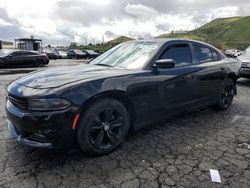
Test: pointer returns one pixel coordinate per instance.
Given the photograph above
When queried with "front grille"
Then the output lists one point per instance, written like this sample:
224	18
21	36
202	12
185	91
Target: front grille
18	102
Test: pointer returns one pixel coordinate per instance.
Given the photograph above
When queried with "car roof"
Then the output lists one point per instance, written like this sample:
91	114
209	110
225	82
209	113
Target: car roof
17	50
165	40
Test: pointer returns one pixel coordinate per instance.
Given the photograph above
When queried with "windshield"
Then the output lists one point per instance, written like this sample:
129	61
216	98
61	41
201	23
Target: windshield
48	50
131	55
62	52
91	52
78	52
245	55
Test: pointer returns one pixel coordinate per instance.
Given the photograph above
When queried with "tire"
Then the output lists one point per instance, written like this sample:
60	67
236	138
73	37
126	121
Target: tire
103	127
38	63
226	95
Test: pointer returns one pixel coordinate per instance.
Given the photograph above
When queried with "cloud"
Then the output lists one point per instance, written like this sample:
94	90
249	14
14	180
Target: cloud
163	26
70	33
88	20
140	11
110	34
87	13
9	27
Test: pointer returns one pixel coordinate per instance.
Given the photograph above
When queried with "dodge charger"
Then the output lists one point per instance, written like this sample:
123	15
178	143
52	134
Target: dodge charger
93	106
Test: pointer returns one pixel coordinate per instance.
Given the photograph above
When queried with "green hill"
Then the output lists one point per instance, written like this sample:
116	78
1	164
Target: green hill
120	39
224	33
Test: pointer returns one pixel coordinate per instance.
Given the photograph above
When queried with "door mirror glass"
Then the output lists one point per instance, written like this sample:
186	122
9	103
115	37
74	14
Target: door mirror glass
165	63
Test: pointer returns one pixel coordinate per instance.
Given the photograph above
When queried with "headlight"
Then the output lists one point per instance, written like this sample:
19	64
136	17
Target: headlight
48	104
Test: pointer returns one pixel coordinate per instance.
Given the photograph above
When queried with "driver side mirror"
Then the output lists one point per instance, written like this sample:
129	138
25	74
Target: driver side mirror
165	63
10	56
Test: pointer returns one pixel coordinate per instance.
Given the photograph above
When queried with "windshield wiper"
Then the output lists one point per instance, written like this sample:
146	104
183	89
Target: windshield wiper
102	64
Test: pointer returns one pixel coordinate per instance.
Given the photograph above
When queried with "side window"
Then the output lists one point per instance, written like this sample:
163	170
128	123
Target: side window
180	53
16	54
215	55
205	54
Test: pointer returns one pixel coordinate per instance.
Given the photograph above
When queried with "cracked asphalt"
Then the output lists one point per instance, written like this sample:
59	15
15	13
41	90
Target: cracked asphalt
174	153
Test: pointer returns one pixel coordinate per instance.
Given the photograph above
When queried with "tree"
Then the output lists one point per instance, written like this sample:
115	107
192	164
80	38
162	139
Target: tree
73	44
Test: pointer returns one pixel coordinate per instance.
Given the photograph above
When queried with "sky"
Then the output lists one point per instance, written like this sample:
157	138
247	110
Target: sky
59	22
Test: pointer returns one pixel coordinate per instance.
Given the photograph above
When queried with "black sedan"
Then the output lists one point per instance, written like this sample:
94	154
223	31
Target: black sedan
78	54
90	54
130	86
20	58
51	54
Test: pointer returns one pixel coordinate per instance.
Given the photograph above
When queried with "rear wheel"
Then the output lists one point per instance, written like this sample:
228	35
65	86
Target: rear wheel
104	127
38	63
226	96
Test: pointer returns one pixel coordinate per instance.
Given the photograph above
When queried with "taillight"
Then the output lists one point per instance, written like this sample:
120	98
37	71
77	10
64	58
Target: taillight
46	56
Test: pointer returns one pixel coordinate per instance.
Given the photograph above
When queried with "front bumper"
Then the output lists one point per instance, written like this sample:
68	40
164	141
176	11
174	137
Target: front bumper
244	72
28	141
50	130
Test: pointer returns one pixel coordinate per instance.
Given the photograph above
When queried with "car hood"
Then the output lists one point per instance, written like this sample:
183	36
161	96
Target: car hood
57	77
244	58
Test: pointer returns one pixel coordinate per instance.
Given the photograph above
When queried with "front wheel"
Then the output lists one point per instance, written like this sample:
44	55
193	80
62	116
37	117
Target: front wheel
226	95
103	127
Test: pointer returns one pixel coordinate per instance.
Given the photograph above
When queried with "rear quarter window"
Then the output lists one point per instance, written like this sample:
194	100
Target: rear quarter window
205	54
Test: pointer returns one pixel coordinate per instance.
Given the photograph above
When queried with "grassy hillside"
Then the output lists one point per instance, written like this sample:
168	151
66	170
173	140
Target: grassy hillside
119	40
224	33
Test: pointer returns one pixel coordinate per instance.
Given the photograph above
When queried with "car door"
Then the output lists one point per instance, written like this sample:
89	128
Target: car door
13	59
28	58
175	89
211	74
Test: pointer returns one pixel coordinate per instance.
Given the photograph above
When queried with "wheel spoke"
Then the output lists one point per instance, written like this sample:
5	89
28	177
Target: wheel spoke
223	98
97	125
99	139
117	123
112	137
230	93
98	121
108	115
228	100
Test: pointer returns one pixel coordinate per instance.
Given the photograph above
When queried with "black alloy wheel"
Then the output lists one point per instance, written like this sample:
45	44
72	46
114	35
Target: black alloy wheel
103	127
106	129
38	63
227	95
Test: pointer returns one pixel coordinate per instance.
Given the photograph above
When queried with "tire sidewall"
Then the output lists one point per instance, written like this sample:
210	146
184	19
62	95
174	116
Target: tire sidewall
219	103
86	121
38	63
